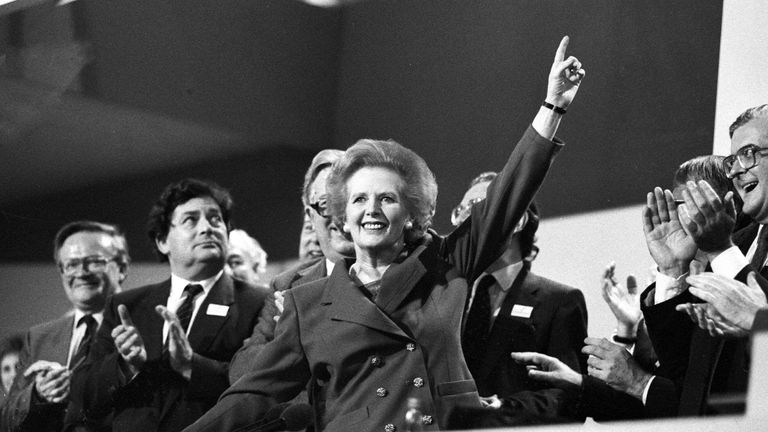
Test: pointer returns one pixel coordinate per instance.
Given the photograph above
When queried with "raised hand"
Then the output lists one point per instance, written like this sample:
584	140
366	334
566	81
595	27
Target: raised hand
671	247
51	380
730	306
624	302
564	77
548	369
179	350
614	365
708	219
128	341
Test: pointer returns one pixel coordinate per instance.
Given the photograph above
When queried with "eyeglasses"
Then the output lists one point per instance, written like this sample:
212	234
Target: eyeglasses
321	207
461	211
746	156
90	264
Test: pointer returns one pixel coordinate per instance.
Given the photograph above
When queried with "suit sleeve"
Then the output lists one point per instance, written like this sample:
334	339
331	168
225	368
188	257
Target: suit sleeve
278	373
23	409
263	332
477	242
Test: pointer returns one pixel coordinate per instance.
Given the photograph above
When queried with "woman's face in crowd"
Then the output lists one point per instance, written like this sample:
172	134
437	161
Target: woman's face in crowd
9	364
376	213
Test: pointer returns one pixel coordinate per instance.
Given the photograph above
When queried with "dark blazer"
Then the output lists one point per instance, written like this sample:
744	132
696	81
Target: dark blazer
692	363
24	410
363	360
557	327
264	331
158	398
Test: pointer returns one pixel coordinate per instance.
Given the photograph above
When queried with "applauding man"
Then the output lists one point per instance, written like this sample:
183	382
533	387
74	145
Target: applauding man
162	354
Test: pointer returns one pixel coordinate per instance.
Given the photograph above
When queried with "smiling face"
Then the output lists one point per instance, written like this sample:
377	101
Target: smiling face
196	243
88	269
376	213
752	185
309	244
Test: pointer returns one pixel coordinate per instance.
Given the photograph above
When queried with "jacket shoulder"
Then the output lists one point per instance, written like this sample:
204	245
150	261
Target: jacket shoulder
48	326
286	279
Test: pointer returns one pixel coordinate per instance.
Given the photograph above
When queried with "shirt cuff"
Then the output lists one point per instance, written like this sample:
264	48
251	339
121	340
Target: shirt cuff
666	287
730	262
647	387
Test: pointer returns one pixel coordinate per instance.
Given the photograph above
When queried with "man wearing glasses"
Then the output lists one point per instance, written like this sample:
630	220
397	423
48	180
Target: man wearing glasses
333	244
92	258
161	356
512	309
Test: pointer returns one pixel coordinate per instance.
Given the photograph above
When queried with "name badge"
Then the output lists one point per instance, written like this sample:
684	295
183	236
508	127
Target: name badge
521	311
217	310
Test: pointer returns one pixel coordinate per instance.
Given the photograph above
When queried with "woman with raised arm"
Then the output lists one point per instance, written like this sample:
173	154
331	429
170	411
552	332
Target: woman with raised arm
385	327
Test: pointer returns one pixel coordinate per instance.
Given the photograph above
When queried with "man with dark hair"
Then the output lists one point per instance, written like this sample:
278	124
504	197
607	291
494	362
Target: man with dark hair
513	309
92	259
161	357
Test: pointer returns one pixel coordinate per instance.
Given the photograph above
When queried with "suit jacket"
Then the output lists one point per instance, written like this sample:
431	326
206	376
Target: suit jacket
557	327
264	331
158	398
692	363
362	359
24	410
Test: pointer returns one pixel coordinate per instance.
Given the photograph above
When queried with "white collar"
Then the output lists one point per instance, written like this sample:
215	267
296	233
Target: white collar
329	265
506	276
98	316
178	284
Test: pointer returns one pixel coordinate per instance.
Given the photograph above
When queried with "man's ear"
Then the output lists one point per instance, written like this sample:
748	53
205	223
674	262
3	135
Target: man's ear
162	245
521	223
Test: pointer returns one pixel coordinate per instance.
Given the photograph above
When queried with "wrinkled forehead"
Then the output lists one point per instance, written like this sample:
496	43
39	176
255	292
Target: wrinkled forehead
318	187
82	244
477	191
199	205
753	132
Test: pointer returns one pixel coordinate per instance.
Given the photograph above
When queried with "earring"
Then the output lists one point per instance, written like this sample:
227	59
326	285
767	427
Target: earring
345	228
409	225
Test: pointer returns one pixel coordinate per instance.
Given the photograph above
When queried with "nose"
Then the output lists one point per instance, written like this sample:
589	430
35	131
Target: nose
372	207
736	170
204	225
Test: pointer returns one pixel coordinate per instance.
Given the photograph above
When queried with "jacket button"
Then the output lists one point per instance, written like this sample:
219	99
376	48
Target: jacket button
418	382
381	392
427	420
390	428
410	347
376	361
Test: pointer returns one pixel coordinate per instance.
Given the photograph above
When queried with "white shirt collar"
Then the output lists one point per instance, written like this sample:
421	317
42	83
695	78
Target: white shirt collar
99	316
178	284
506	276
329	265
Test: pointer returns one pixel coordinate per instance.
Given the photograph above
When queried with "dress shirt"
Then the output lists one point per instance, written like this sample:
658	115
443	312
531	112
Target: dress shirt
329	265
731	261
78	331
177	290
504	278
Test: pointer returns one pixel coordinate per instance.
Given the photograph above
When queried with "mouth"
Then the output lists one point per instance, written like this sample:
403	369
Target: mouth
374	226
749	187
316	253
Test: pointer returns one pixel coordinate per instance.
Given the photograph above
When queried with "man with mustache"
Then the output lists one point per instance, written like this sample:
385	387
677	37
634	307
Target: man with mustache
162	355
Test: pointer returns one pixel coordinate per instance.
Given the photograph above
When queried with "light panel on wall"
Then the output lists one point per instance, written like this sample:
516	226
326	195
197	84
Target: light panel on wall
330	3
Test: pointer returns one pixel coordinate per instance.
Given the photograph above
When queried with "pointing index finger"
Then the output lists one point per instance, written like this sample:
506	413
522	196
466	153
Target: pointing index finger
560	54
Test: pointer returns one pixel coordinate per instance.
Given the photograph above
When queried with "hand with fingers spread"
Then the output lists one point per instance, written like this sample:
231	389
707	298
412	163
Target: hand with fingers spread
707	218
128	341
179	350
730	306
548	369
614	365
624	302
564	77
51	380
671	247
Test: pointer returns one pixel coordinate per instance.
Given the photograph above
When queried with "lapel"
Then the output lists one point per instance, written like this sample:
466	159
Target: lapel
55	347
744	237
311	273
153	332
205	327
510	333
348	303
401	277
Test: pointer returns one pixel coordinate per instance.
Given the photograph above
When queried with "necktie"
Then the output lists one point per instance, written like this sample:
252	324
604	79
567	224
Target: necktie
758	260
478	324
184	312
85	343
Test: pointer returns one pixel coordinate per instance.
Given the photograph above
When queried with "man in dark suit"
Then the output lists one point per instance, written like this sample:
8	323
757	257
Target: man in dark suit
332	242
512	309
161	357
92	258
